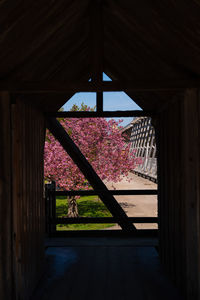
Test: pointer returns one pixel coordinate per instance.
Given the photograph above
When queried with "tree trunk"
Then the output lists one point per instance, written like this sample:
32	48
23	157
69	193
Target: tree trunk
72	208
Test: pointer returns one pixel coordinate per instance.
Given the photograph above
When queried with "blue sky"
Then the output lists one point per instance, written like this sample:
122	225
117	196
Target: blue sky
111	101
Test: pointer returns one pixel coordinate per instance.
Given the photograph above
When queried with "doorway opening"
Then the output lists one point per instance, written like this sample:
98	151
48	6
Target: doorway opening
83	123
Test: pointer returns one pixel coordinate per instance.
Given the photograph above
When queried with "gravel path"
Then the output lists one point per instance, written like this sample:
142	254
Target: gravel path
137	206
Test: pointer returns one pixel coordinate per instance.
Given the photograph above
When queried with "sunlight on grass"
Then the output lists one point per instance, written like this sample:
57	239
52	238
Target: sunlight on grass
88	206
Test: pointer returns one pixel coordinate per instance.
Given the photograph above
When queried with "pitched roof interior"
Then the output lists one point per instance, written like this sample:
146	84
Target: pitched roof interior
43	40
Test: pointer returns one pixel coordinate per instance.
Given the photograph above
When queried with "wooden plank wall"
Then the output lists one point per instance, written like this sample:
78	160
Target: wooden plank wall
21	198
28	203
6	278
178	131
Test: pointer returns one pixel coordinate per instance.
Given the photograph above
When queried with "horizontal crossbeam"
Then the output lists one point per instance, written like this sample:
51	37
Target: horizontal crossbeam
101	114
86	220
91	86
146	233
111	192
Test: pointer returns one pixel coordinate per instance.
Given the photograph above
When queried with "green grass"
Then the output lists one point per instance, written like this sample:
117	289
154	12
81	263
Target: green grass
88	206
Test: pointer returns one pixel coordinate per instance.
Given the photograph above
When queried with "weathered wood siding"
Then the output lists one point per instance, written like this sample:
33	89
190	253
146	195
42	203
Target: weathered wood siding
179	192
6	280
21	199
28	202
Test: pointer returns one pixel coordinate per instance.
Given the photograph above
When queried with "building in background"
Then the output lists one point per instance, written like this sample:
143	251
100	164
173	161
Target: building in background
141	134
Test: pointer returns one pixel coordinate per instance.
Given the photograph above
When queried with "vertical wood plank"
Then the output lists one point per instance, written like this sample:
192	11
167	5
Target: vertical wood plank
191	159
179	192
6	278
28	145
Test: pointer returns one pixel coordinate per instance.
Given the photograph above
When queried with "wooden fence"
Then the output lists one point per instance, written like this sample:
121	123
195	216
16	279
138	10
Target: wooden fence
52	220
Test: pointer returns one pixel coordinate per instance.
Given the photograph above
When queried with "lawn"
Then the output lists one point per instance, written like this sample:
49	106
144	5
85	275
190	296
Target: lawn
88	206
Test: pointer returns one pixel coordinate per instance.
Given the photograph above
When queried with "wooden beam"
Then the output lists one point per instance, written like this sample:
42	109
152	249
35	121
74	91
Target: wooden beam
96	32
102	114
79	159
90	86
111	192
146	233
88	220
99	102
96	26
6	210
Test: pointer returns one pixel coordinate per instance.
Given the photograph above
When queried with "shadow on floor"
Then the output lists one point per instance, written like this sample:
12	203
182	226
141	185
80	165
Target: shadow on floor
104	272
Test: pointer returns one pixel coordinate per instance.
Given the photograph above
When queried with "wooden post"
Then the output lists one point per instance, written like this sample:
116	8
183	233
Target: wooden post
69	146
6	259
27	196
191	185
99	102
50	203
96	26
179	192
46	209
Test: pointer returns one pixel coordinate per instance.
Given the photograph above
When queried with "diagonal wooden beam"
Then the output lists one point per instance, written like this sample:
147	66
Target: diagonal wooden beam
79	159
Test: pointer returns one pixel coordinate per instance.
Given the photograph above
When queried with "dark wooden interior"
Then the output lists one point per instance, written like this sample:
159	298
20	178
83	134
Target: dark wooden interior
48	51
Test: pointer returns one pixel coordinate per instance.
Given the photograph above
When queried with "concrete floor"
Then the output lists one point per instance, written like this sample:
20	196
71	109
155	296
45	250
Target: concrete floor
101	271
137	206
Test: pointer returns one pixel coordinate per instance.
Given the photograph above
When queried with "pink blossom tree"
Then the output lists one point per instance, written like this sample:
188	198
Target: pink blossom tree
103	146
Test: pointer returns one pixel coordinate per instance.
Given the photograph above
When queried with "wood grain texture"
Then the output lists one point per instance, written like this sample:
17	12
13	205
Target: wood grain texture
179	156
28	210
191	171
6	267
52	40
53	86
